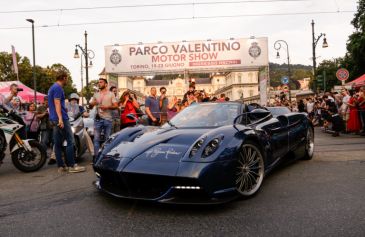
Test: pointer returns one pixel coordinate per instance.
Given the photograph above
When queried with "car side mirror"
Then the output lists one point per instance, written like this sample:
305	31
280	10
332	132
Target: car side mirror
131	116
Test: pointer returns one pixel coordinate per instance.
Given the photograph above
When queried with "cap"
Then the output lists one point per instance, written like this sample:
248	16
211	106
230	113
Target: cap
74	96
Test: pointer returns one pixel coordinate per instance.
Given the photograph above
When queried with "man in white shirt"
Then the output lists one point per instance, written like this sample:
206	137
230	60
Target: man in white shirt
310	105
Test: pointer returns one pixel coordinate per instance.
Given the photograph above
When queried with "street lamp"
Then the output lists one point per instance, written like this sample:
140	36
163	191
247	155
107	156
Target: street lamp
34	79
277	46
88	54
314	45
82	73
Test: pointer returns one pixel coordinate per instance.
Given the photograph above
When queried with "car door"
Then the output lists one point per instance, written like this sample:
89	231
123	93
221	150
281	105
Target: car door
277	129
296	131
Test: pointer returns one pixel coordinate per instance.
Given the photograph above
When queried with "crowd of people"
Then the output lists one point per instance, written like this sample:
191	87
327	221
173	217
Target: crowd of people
50	121
337	112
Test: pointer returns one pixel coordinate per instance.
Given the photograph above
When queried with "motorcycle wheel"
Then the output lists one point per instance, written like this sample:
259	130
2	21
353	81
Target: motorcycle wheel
29	161
2	147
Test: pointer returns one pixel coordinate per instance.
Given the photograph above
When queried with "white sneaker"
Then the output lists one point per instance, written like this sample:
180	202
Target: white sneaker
76	169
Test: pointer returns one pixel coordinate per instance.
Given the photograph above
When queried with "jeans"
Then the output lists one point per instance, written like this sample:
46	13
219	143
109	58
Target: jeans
46	137
99	126
116	125
59	135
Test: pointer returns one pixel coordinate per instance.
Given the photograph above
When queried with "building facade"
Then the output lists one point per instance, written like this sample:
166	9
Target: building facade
235	85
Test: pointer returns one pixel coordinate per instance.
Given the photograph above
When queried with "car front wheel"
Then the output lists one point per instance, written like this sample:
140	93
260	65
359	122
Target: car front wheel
309	146
250	170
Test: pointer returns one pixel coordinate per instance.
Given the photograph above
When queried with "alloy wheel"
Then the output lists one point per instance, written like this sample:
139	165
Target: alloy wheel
310	143
250	170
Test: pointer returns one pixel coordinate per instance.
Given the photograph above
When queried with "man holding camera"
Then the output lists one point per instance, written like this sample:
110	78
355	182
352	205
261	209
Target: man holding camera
14	89
106	102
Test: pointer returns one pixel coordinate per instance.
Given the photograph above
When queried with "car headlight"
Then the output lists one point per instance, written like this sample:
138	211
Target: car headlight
196	147
212	146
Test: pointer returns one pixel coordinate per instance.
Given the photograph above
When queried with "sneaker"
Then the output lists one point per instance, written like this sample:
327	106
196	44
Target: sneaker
76	169
62	169
52	161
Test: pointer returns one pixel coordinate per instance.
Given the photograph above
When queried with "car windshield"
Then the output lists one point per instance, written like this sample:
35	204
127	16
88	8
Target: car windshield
206	115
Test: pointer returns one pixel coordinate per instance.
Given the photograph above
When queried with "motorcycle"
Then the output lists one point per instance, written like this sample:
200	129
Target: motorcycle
77	127
27	155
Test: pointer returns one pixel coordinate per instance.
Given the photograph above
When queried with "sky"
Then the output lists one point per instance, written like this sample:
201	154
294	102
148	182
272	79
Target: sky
57	32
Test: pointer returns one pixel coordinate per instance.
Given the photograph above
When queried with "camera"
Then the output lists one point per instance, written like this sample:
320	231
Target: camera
19	89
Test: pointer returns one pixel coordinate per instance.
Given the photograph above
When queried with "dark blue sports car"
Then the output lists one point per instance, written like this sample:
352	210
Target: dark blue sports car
208	153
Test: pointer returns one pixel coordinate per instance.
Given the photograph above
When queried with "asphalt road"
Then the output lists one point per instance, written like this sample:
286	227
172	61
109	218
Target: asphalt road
321	197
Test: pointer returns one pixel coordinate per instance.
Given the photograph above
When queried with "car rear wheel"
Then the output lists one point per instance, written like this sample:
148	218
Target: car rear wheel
309	146
250	170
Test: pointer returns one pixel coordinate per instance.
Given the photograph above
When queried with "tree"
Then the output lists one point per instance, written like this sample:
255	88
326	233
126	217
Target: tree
354	60
92	87
327	71
45	76
298	72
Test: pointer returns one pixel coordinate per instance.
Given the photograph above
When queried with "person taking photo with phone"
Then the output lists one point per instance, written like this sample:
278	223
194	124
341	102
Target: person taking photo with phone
129	105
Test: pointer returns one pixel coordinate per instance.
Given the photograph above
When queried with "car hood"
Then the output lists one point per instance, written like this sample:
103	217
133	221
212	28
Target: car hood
161	144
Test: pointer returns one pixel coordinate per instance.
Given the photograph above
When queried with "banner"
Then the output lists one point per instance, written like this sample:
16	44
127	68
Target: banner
263	79
193	56
15	63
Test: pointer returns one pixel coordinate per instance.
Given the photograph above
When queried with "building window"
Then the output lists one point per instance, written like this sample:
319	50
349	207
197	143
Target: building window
250	75
240	78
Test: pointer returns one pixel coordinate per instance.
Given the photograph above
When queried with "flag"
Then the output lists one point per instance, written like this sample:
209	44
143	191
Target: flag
15	63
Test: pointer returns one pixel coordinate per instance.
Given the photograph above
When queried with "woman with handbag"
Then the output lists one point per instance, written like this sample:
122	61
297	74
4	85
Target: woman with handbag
31	120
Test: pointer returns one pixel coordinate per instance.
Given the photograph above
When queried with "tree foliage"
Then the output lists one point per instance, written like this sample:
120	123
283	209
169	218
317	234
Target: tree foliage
92	88
45	77
354	60
328	69
298	72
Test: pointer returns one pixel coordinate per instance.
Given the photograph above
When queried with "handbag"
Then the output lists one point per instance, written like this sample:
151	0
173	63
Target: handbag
27	128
